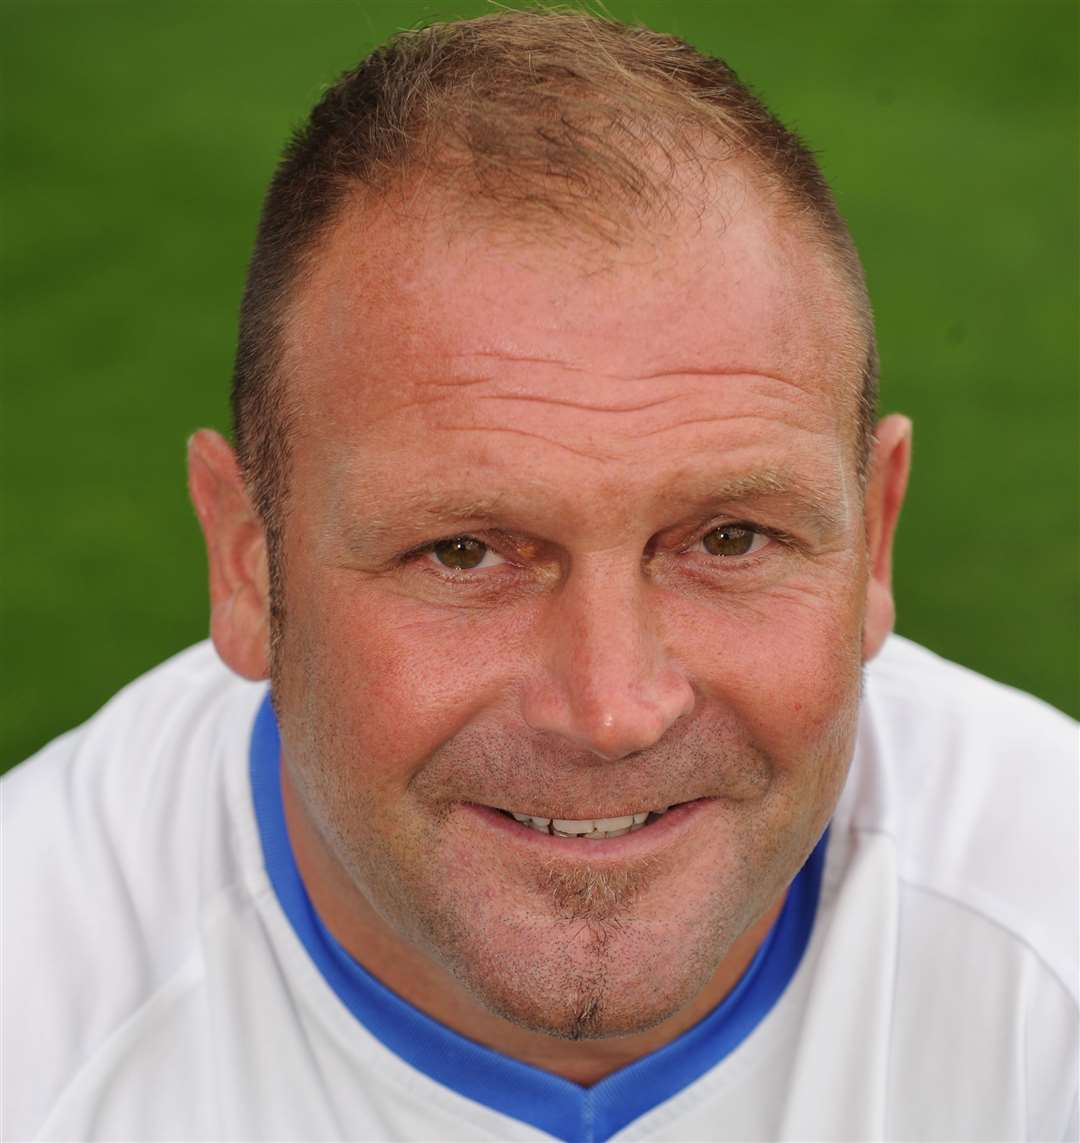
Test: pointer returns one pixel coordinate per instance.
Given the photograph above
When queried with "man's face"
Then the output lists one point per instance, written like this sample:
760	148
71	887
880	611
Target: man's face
575	536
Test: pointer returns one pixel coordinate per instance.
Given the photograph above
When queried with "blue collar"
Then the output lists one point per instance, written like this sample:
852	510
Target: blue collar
561	1108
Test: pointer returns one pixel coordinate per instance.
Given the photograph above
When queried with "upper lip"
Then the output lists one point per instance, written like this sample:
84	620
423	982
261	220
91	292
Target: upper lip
577	815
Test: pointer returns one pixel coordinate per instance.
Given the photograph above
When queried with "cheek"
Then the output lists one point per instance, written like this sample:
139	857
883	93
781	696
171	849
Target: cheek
785	668
384	674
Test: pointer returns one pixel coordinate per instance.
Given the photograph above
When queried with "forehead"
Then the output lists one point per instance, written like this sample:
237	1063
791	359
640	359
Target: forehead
414	316
397	276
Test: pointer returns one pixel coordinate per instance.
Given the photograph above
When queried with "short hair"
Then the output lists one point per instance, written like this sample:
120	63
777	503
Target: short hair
539	109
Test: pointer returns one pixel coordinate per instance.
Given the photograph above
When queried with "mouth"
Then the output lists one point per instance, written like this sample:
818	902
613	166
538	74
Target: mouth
587	829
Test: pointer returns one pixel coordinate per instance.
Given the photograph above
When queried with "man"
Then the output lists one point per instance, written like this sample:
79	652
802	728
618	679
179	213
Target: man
560	526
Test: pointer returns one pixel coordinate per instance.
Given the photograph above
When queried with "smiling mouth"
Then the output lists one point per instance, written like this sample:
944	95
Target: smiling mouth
589	829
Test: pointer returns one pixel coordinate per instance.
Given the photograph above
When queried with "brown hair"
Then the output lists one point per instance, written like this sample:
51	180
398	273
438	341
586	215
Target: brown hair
541	111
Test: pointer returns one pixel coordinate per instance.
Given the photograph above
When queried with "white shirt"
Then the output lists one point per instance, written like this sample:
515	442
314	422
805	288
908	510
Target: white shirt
157	985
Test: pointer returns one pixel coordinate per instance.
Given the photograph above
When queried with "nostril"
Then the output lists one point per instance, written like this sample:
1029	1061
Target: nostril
609	713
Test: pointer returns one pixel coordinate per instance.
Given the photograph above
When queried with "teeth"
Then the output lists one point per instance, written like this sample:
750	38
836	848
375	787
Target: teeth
594	829
594	825
565	828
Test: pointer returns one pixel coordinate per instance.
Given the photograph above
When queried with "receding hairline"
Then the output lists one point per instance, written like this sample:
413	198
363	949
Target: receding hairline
413	205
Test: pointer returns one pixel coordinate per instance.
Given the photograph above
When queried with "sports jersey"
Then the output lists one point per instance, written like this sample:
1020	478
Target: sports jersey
166	977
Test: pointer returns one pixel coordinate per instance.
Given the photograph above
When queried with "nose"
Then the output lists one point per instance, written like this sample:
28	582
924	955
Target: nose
607	684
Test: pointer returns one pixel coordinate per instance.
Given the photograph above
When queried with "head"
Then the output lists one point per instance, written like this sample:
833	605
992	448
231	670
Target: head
557	494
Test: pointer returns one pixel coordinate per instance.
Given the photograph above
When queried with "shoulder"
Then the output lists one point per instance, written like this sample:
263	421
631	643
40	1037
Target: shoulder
114	838
906	677
976	786
126	778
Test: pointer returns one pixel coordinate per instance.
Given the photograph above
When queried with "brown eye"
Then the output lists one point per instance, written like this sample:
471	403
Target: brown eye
729	540
462	553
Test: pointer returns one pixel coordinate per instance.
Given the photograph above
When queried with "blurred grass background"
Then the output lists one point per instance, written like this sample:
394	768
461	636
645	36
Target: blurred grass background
138	139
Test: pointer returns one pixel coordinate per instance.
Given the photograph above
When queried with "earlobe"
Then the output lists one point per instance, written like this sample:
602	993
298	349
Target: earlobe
890	464
236	553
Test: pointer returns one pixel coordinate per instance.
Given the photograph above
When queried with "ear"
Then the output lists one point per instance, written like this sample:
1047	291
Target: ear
236	550
890	463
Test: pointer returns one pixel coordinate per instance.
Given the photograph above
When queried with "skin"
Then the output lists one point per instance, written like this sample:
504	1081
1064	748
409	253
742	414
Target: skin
589	416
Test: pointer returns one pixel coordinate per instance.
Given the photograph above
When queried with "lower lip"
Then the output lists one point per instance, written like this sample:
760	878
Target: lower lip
664	831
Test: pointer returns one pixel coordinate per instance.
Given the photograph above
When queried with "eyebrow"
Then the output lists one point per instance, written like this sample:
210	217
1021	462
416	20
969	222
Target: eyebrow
428	510
435	511
826	516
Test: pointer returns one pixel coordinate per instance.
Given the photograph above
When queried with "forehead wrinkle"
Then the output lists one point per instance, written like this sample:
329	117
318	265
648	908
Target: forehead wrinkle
718	419
526	359
583	406
809	386
666	373
782	407
584	453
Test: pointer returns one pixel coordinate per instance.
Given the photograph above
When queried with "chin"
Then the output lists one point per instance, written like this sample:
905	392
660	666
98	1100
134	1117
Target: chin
595	1014
587	978
585	1007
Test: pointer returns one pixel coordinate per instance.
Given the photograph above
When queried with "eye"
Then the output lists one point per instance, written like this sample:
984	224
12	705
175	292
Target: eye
464	553
733	540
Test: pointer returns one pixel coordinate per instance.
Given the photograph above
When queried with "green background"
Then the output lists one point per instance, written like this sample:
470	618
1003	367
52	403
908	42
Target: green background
137	140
